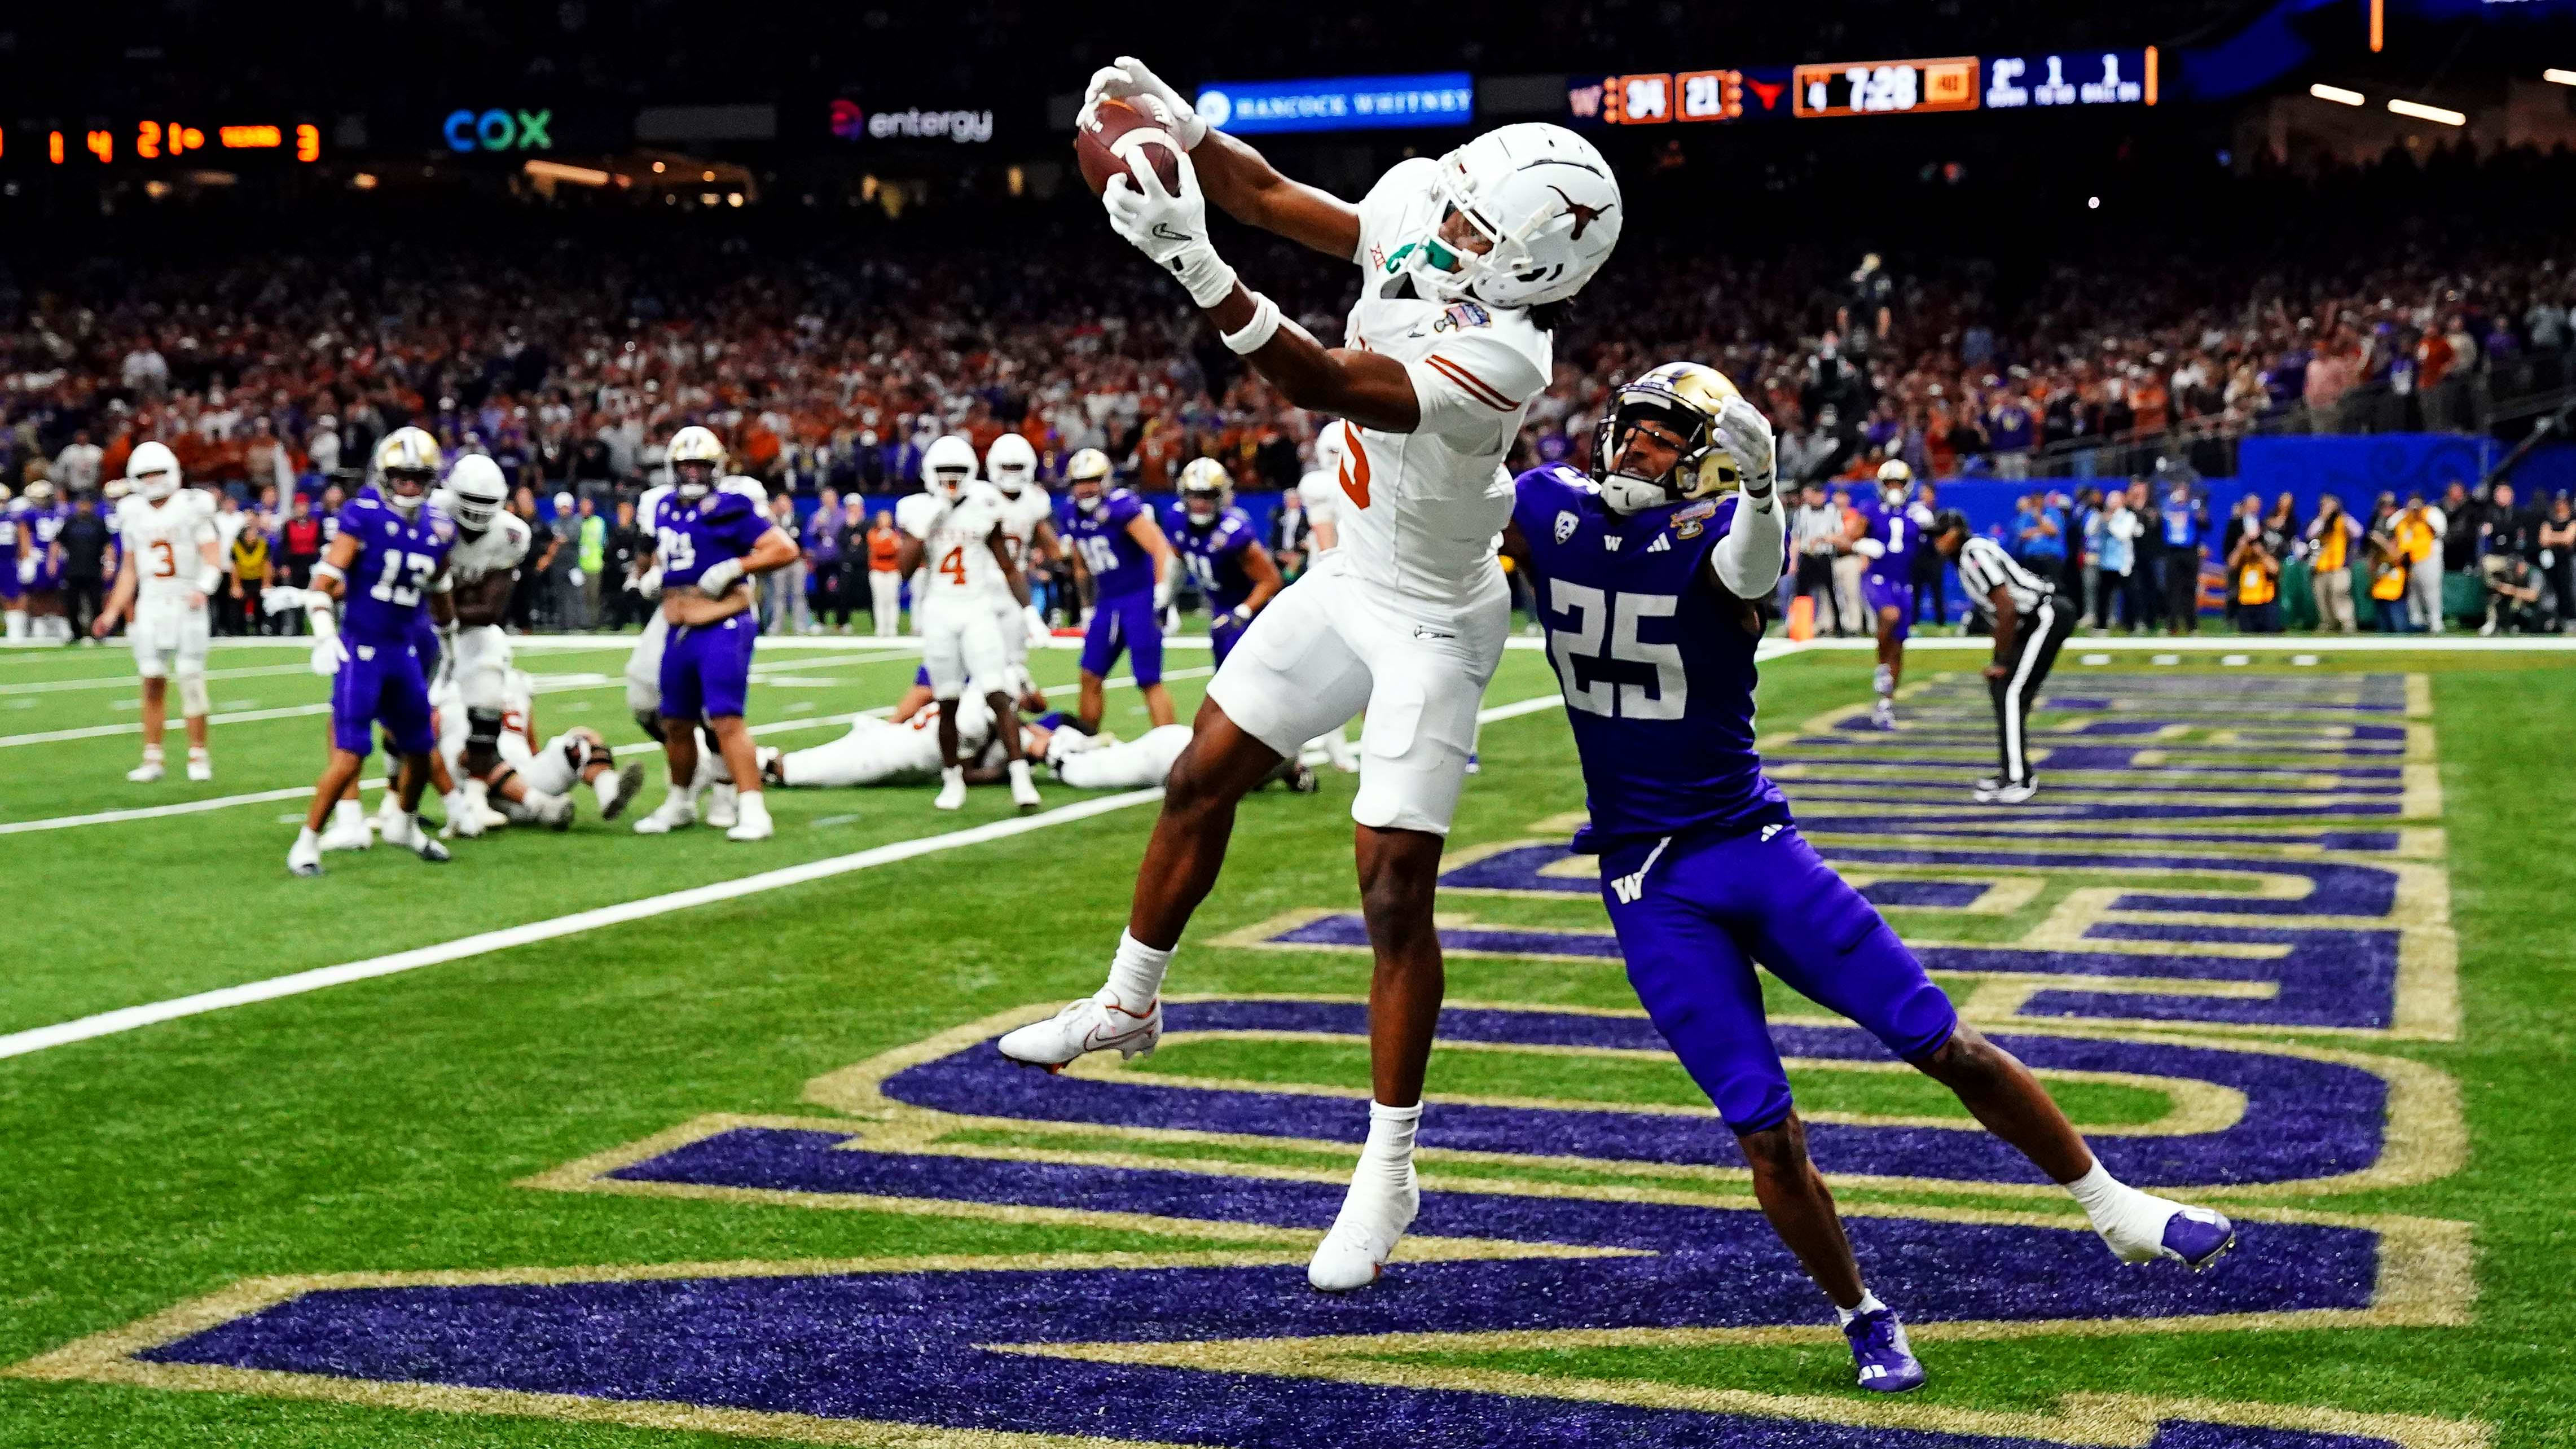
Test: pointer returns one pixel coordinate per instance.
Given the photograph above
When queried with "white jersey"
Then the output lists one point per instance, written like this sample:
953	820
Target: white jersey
498	549
1426	508
1021	518
875	752
956	544
1316	493
1093	763
163	540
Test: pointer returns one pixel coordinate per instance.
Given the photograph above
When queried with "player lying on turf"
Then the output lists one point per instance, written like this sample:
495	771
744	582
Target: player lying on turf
533	783
389	561
1646	580
885	752
1462	262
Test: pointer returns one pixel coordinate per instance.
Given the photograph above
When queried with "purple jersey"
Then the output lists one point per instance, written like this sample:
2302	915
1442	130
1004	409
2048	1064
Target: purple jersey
1119	564
388	582
40	527
1214	555
1896	532
689	534
1656	661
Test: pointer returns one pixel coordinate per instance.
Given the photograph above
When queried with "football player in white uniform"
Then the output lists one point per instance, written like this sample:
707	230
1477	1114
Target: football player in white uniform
884	752
959	541
1028	531
1317	493
490	543
644	661
170	569
534	783
1464	260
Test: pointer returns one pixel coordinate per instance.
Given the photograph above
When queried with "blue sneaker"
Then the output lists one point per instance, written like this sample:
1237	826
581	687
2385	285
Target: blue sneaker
1880	1355
2198	1236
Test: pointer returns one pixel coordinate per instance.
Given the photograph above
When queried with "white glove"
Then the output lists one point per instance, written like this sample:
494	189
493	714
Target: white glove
329	654
1869	548
647	584
1129	79
1039	633
720	577
27	569
1162	595
1171	228
1747	436
1171	618
574	578
1087	611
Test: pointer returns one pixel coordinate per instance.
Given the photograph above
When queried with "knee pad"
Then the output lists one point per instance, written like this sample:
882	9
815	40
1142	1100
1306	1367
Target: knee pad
482	740
650	721
192	695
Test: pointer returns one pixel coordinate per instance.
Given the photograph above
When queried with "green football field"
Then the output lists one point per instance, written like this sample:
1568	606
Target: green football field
609	1140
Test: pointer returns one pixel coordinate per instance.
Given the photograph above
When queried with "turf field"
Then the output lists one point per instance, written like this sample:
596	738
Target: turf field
580	1152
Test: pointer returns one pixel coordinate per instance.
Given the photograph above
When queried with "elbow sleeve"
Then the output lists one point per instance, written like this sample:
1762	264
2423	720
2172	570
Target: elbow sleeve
1750	559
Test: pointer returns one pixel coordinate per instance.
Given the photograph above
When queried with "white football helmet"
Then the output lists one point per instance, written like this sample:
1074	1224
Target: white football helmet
153	470
40	493
1206	491
1545	199
475	492
1895	480
406	464
1332	445
1087	477
697	460
1011	463
947	466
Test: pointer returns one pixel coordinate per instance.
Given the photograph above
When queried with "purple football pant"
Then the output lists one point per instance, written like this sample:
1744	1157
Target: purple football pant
1124	623
706	669
1878	594
381	682
1707	906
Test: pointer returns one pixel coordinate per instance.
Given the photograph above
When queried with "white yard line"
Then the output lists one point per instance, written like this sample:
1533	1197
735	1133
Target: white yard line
128	681
2451	643
130	1018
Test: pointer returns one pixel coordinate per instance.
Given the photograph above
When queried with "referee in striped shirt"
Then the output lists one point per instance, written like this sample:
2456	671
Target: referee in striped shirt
2030	625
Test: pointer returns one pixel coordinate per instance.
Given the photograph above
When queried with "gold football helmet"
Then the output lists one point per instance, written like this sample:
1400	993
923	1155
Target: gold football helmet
1685	397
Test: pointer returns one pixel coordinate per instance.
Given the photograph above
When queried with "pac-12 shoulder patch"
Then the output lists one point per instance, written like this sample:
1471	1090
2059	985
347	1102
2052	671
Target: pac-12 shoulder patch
1566	523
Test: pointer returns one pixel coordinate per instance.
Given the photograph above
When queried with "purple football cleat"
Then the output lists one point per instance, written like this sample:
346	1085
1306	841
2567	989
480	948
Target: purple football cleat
2198	1236
1885	1364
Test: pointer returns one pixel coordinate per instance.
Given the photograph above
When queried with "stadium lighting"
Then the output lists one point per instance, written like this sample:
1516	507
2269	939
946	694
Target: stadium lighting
2336	94
2423	112
2092	203
2563	77
558	171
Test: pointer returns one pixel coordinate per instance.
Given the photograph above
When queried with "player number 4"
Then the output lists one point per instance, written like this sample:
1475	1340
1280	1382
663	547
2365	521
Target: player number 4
1592	613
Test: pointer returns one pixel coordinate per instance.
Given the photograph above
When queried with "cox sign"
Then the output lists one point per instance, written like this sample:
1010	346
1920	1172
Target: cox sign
499	130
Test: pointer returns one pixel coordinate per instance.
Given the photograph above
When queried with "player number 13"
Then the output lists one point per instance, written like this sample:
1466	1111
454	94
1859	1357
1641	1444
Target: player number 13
1592	613
405	574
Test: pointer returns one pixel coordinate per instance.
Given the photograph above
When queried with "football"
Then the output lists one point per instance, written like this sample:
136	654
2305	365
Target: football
1112	132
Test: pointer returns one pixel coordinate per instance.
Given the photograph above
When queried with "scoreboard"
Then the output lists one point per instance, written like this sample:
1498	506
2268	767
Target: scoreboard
162	139
2083	80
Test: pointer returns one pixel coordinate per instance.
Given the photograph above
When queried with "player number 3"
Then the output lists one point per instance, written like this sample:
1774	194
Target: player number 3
1594	612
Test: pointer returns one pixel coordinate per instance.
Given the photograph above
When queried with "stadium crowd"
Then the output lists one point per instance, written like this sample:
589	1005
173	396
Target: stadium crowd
827	371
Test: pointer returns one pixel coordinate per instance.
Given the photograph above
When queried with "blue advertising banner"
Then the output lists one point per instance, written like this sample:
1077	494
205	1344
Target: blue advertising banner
1343	103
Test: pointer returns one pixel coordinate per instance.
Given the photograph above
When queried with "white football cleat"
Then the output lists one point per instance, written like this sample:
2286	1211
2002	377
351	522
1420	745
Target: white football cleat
617	791
723	809
200	769
304	857
1882	715
146	773
1024	791
676	812
754	822
554	812
463	816
952	791
1372	1221
354	835
2152	1227
408	834
1093	1024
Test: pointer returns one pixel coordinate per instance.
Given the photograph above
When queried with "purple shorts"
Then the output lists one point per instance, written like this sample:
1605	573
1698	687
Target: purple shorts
706	669
381	682
1879	594
1127	623
1707	907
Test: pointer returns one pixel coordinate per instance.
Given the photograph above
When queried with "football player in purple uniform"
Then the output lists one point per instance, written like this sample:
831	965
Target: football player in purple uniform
708	543
388	563
1887	532
1235	574
1646	580
1120	547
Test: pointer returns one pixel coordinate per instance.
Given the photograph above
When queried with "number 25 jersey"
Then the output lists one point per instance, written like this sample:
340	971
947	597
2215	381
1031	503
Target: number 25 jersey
1655	658
397	557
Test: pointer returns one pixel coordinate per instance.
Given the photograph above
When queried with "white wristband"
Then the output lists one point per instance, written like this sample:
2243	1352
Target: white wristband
1255	334
1203	274
209	578
327	571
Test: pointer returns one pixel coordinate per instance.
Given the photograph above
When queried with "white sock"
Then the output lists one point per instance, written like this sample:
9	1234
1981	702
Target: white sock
605	787
1136	973
346	815
1868	1304
195	752
2103	1197
152	754
1884	681
1389	1152
306	837
1019	772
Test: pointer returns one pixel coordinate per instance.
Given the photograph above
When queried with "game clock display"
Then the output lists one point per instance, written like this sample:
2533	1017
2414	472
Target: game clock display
1886	87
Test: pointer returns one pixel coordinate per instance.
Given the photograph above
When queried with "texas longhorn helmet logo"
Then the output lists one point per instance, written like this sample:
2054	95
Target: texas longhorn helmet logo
1583	215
